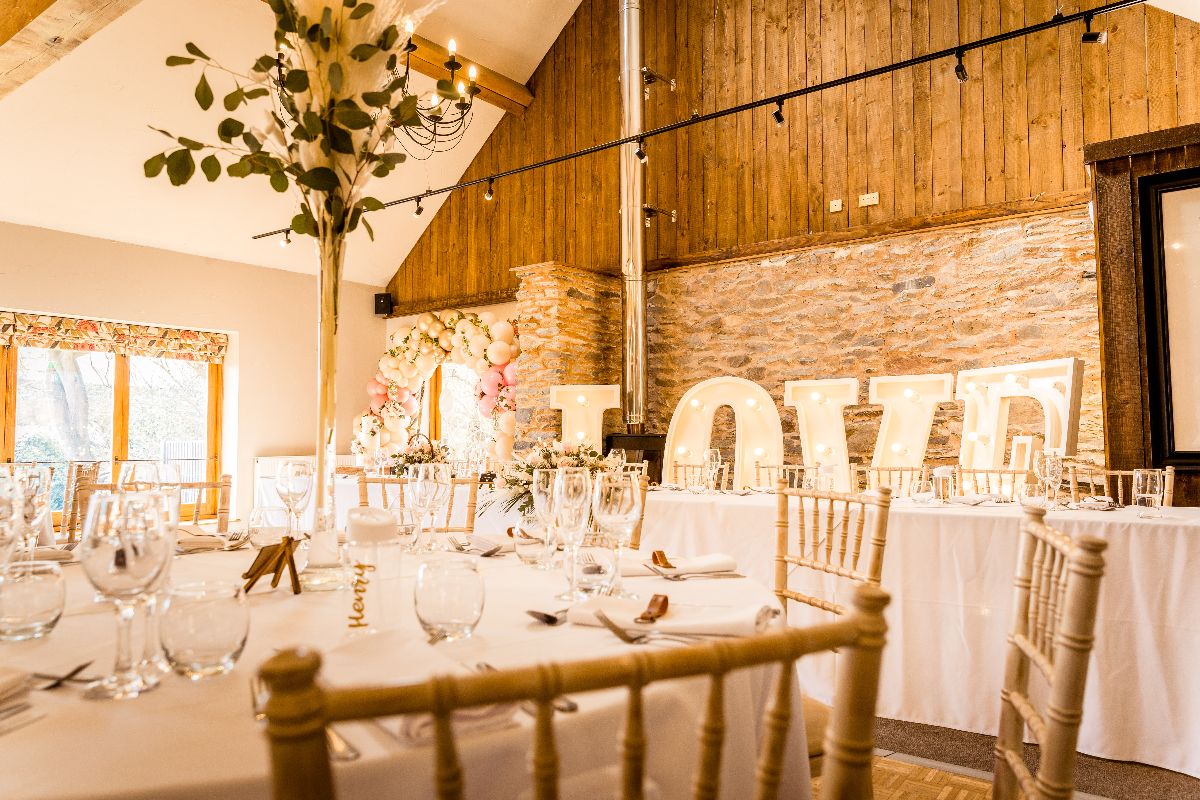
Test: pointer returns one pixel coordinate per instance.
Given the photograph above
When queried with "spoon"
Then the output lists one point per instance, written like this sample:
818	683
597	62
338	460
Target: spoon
551	619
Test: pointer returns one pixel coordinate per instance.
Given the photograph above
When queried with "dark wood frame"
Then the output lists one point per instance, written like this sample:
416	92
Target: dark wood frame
1151	188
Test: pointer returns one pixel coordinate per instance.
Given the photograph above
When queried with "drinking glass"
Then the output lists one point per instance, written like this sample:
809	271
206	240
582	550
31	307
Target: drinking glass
11	518
34	485
1031	495
921	491
126	545
431	493
267	525
542	489
597	567
1049	468
138	476
712	465
380	460
448	596
163	477
293	484
408	525
617	507
32	597
204	627
943	488
1148	492
572	508
618	455
533	541
170	483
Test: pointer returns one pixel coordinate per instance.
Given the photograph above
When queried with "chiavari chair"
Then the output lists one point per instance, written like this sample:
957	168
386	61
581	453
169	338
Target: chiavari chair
1001	482
299	708
202	499
1088	479
640	467
899	479
366	481
797	476
1056	588
383	482
693	475
79	473
829	536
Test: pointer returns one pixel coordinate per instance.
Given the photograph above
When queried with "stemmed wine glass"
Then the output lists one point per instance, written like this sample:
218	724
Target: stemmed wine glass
1048	467
138	476
617	507
293	484
541	489
11	518
712	465
34	484
126	545
572	504
431	493
617	455
154	663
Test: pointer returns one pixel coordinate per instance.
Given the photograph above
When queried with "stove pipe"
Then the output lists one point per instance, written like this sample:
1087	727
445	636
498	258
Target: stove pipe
633	244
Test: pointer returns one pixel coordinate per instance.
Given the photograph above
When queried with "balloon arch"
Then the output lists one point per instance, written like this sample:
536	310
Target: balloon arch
487	345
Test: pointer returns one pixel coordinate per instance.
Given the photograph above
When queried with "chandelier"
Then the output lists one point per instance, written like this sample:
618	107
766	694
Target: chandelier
437	121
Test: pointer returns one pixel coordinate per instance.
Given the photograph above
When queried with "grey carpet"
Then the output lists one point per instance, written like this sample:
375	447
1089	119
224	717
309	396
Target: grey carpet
1119	780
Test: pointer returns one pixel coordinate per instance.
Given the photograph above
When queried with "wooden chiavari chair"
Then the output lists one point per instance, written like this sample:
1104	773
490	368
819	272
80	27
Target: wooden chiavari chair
635	541
364	499
1056	588
899	479
366	481
797	476
830	532
1001	482
693	475
640	467
223	487
472	485
79	473
1088	479
299	708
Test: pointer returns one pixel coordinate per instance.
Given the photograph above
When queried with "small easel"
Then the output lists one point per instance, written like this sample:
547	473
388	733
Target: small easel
275	558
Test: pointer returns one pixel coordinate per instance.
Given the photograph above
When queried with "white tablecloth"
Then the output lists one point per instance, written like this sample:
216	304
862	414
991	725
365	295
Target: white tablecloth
198	740
949	570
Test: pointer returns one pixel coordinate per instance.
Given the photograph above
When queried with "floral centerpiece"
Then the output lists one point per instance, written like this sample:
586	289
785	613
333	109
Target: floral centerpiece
516	478
419	452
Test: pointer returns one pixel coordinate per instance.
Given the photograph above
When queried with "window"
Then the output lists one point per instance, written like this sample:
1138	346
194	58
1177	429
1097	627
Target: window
463	430
78	390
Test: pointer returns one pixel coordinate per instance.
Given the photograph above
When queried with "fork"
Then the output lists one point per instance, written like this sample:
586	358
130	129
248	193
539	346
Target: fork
709	575
646	637
466	547
339	748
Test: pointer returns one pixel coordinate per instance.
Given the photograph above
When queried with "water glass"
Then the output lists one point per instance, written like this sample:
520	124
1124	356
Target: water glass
597	567
34	485
1049	468
1031	494
293	484
617	508
1148	492
712	466
11	519
448	596
533	542
921	491
408	525
943	488
542	489
32	597
267	525
204	627
138	476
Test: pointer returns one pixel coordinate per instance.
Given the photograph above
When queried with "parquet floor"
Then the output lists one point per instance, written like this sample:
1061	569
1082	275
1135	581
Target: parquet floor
896	780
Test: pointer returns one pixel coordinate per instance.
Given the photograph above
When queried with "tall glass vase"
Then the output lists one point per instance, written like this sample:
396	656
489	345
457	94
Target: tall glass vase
326	569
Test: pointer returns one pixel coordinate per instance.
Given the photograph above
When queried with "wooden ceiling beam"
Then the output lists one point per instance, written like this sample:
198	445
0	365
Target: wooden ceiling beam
500	90
36	33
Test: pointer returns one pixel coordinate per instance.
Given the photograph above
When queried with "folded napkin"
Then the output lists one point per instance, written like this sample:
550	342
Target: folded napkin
1096	503
704	620
418	729
713	562
491	540
665	487
199	542
973	499
53	554
14	687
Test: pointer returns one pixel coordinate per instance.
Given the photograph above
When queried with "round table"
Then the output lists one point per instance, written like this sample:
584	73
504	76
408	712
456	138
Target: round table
199	740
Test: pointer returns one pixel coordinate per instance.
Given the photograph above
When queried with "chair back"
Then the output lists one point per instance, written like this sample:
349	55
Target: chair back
383	482
366	481
1088	479
468	526
899	479
693	474
640	467
829	533
1055	592
635	541
797	476
203	499
79	473
1003	482
299	708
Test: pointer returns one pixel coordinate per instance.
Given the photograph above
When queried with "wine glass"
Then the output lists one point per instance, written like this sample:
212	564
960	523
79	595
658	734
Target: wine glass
617	507
618	457
126	546
1147	492
138	476
33	483
572	506
11	517
432	493
380	459
1048	467
293	484
712	465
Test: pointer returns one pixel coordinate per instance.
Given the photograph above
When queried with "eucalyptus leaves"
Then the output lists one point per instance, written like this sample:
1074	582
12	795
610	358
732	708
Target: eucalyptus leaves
326	105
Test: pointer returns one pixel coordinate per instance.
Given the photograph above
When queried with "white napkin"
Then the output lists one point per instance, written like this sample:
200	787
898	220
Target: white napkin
705	620
1096	503
665	487
53	554
713	562
418	730
972	499
194	537
491	540
14	686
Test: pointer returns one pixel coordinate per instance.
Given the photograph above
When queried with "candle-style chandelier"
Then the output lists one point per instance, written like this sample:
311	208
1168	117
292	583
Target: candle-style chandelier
436	123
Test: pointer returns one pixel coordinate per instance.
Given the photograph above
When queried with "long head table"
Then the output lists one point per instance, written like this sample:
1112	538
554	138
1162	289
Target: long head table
198	740
949	570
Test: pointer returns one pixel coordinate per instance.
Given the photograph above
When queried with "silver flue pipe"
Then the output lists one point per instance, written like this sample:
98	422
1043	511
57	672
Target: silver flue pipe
633	243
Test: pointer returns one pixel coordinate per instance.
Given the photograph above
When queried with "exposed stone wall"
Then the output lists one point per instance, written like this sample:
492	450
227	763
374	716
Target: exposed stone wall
570	324
1014	290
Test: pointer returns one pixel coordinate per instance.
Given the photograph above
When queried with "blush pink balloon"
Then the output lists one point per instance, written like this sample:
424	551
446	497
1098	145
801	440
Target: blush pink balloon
510	373
376	406
375	390
487	404
410	406
382	381
490	382
402	394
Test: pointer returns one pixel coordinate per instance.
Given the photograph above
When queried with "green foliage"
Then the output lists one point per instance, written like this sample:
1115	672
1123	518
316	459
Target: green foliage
361	11
154	165
204	93
180	167
211	167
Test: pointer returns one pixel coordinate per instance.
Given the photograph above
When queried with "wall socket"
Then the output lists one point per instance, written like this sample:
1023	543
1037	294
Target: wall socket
871	199
835	206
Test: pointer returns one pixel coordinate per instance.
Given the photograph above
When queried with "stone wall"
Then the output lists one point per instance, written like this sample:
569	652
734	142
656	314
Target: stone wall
1020	289
570	324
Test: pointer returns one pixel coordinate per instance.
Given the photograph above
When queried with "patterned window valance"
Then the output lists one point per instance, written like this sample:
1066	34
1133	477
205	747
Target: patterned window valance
73	333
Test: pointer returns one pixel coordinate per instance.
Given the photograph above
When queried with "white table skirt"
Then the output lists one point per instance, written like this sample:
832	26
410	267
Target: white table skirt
949	570
198	740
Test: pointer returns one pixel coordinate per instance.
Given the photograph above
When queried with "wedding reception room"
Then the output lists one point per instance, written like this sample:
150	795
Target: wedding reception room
591	399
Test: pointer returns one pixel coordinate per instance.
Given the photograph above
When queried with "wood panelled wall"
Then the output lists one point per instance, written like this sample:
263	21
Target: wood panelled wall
926	143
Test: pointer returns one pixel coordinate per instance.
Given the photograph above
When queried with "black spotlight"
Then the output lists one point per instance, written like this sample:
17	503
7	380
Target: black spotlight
960	69
778	113
418	211
489	194
641	152
1090	36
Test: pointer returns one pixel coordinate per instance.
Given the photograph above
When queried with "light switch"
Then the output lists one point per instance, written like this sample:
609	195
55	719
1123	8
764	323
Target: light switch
835	205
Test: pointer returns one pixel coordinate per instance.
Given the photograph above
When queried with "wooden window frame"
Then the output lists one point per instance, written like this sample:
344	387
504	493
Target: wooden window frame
120	426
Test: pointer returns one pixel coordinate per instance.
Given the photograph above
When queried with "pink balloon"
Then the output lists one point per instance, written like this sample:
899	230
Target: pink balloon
375	390
376	406
402	394
382	381
510	373
410	406
487	404
490	382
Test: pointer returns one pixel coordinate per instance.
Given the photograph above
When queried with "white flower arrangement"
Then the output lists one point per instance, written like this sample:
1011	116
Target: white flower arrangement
517	476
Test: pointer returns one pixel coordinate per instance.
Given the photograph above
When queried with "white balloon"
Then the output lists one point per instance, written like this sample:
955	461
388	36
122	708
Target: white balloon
422	325
508	422
499	352
426	365
446	340
383	437
436	327
393	423
487	317
503	331
406	371
479	345
450	317
461	327
480	366
427	318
